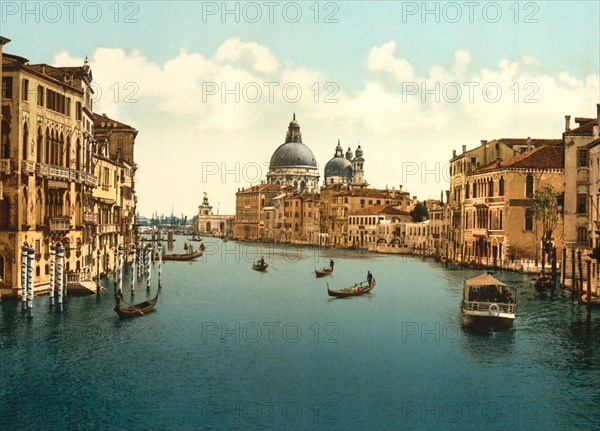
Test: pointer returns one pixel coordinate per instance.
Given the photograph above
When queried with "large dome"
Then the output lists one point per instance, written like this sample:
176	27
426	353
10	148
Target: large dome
338	166
292	154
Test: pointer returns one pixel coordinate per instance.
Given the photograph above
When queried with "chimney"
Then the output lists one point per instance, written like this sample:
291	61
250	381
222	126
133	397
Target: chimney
567	123
400	187
483	142
447	195
464	148
453	153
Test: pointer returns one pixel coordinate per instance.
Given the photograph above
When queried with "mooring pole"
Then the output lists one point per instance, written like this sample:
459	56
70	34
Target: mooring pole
159	266
133	268
24	254
52	273
30	258
59	274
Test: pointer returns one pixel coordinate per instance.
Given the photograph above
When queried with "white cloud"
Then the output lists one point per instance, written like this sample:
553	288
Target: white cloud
182	126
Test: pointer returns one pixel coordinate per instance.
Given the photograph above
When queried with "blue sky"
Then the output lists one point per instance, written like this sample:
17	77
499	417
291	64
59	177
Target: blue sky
370	54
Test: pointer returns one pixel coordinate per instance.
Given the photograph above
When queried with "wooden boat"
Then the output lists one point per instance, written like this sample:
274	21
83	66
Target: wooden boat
488	304
323	272
594	300
260	266
182	257
357	290
137	309
543	283
194	238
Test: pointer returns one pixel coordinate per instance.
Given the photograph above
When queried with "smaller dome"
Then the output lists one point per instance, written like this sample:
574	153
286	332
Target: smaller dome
338	166
359	152
349	154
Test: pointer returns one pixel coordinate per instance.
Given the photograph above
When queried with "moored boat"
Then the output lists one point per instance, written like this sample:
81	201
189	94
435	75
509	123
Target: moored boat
182	257
488	304
356	290
136	309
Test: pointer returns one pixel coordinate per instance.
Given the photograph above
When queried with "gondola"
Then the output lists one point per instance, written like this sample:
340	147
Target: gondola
323	272
195	239
182	257
137	309
260	266
359	289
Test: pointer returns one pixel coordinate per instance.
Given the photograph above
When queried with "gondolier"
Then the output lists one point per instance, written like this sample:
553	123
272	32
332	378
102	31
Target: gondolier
331	264
369	277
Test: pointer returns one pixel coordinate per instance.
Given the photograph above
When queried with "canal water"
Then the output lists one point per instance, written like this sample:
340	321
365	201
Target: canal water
231	348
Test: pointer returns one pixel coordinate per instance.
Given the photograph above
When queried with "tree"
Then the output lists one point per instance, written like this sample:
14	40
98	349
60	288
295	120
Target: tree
419	212
545	210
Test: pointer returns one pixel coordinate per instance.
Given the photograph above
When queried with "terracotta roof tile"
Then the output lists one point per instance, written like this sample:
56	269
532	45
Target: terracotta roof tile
533	141
545	157
379	209
584	129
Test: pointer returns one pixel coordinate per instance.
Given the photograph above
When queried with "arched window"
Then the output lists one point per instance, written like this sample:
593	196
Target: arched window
40	146
490	188
5	141
529	219
4	213
501	187
25	141
529	186
47	147
467	191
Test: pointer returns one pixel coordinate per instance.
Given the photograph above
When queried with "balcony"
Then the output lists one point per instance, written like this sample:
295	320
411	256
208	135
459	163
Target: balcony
60	224
90	218
480	232
28	167
61	173
107	228
5	166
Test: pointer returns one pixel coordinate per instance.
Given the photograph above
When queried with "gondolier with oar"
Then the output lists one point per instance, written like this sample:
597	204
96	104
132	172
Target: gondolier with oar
369	277
331	264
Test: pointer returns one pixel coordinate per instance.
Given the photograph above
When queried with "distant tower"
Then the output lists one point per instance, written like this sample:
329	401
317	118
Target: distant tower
205	209
358	167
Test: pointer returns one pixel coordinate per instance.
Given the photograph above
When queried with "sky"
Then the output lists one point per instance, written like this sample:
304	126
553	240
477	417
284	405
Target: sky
212	86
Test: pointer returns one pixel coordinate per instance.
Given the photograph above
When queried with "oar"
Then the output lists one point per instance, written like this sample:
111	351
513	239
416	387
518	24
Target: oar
273	267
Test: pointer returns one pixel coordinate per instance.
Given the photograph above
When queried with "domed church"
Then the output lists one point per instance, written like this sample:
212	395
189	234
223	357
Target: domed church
345	170
293	164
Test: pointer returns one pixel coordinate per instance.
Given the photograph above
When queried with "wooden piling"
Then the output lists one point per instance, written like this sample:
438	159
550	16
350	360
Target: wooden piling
580	285
589	288
52	272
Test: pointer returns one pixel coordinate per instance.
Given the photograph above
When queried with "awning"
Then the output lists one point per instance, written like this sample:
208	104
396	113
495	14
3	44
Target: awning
484	280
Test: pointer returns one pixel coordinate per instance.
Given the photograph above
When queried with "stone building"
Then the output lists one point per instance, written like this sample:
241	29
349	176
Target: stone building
52	183
250	203
498	220
337	203
293	164
114	199
46	145
463	164
581	175
212	224
370	227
